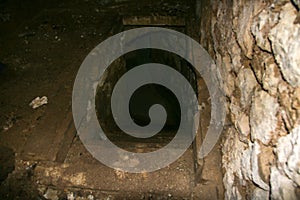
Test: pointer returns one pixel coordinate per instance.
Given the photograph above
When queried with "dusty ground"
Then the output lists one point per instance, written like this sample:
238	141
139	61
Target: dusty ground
42	44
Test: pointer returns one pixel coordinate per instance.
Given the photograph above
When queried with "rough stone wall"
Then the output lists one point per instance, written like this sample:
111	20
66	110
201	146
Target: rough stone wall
256	46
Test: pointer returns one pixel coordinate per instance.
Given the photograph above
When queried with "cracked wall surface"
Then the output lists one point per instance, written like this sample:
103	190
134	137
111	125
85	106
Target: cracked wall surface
256	46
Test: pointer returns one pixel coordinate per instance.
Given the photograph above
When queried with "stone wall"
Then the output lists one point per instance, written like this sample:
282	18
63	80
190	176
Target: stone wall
256	46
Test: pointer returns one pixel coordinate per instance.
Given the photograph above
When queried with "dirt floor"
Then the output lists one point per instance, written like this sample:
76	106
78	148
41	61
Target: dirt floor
42	45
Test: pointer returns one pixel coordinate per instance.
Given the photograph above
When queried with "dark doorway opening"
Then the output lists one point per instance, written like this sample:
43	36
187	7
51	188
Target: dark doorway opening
142	99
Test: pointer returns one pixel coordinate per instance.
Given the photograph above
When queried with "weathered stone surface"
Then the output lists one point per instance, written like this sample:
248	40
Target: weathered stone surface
232	163
261	28
235	54
246	82
246	163
234	109
242	21
271	78
285	39
297	3
242	163
258	63
281	186
296	104
256	46
263	119
259	194
227	83
288	153
243	125
296	99
265	159
284	92
255	168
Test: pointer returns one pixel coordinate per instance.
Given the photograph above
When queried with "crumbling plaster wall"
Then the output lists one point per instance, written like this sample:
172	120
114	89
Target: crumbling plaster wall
256	46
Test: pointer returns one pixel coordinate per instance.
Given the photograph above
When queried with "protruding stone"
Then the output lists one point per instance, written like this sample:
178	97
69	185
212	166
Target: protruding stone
231	161
260	194
261	28
263	119
246	82
246	163
271	78
286	44
243	125
281	186
288	153
224	74
265	159
255	168
243	25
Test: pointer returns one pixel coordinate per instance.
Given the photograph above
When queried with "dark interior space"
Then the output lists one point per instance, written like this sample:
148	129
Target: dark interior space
254	46
43	45
143	98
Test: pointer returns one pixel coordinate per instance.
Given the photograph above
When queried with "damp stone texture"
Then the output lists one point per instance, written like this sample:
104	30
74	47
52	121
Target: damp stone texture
256	46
